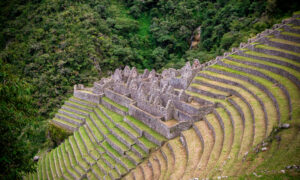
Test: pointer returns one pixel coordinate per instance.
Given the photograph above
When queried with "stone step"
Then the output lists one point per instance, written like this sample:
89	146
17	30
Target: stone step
94	130
180	156
194	147
281	44
275	79
69	119
270	59
83	102
209	141
82	149
78	106
117	144
110	104
64	124
74	160
79	158
90	147
75	110
141	128
71	169
291	74
62	163
72	114
125	162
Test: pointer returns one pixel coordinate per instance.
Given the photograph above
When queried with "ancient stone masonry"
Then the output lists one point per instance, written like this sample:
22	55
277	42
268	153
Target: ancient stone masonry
150	97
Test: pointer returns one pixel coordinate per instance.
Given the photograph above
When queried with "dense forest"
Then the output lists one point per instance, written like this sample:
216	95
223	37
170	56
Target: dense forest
47	46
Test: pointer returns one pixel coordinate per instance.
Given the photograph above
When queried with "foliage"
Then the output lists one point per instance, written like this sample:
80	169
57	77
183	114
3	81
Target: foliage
57	135
20	127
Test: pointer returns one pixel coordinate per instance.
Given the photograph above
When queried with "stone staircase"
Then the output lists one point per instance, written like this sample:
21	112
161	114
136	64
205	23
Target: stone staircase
230	105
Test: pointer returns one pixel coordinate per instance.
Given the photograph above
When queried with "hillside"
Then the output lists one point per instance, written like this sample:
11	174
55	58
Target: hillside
48	46
234	116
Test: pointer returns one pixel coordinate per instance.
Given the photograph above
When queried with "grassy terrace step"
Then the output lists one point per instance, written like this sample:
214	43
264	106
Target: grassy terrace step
291	34
113	139
73	161
180	158
227	144
264	55
283	41
260	121
96	145
76	110
48	168
97	171
52	166
84	102
44	170
64	116
103	165
78	105
94	130
88	143
263	46
238	123
290	86
269	106
82	149
113	152
169	160
64	171
139	151
133	157
195	151
67	161
147	143
99	124
208	146
280	96
248	133
56	163
145	128
123	108
219	142
287	69
77	154
72	114
276	91
61	122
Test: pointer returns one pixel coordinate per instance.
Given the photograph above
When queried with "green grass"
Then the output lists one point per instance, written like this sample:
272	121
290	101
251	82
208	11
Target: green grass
129	129
290	86
140	150
104	118
254	53
71	112
113	115
77	153
150	145
94	129
67	160
108	159
56	163
69	117
123	135
77	109
117	142
64	122
44	169
133	156
90	146
52	164
276	91
292	43
287	69
68	149
123	108
82	148
87	102
144	127
97	171
114	173
277	49
78	104
99	124
61	162
121	168
107	146
291	34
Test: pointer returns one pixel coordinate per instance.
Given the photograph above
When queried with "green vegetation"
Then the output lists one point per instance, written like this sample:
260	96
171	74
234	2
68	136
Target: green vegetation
125	109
